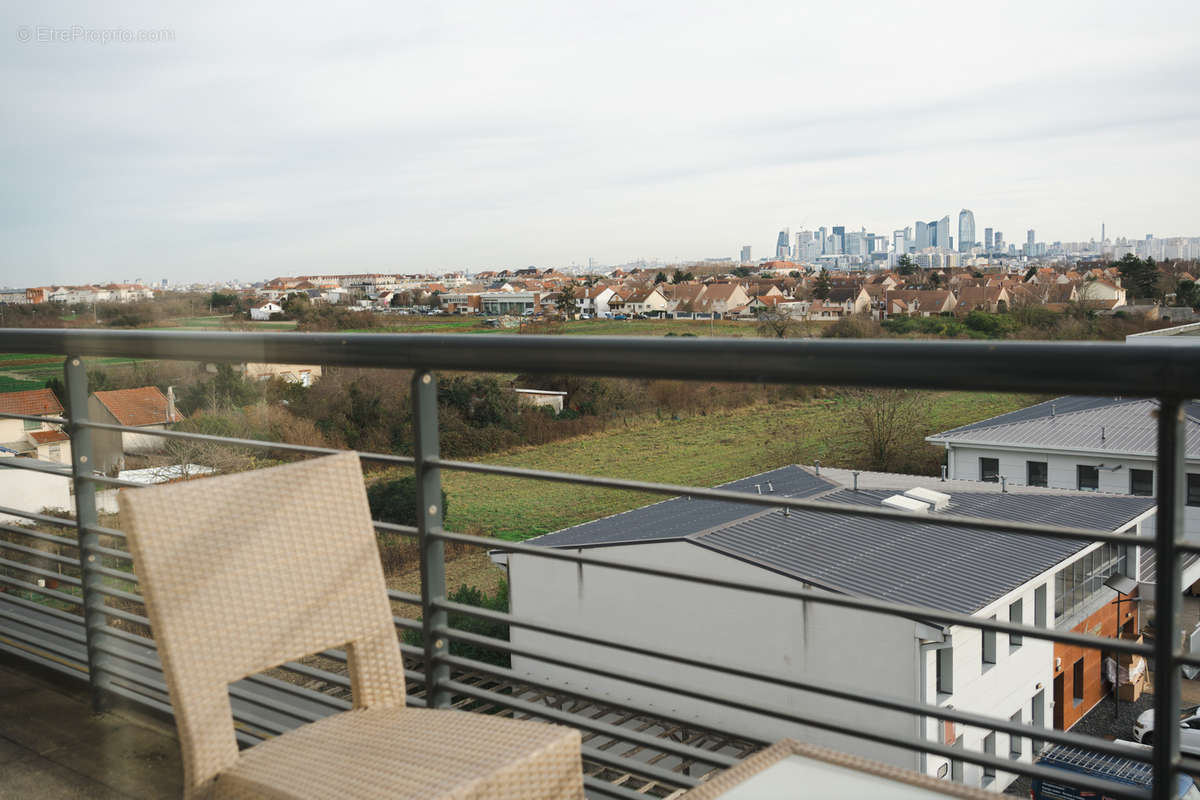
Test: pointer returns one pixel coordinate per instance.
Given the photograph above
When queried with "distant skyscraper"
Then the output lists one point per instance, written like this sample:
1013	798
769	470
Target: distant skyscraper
998	242
987	240
821	236
923	238
899	243
939	233
746	254
782	246
1029	241
966	230
839	236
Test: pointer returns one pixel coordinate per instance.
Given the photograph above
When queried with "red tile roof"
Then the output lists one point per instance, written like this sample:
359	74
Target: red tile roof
35	402
142	406
48	437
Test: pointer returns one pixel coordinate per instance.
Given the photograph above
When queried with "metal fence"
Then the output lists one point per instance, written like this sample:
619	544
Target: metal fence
91	626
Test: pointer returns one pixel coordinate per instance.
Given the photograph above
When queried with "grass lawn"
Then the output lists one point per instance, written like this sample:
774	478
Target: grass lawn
702	451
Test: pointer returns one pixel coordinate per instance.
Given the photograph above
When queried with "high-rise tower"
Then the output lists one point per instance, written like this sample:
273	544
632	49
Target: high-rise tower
966	230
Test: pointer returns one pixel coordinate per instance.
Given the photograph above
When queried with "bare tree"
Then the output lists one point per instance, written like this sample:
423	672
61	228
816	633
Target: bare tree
885	423
774	323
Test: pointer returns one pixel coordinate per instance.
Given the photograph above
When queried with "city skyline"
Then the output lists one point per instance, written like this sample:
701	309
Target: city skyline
443	138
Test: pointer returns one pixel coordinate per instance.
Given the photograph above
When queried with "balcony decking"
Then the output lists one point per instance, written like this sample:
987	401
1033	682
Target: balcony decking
53	746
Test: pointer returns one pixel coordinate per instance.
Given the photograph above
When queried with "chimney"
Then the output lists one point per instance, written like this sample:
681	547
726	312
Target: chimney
170	404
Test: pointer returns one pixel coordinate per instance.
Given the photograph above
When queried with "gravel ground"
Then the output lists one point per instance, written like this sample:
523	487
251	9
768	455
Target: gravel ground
1103	723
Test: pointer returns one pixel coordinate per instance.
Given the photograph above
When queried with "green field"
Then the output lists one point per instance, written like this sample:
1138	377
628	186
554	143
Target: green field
702	451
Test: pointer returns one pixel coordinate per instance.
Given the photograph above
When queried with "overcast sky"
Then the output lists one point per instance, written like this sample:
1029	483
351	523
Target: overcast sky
280	138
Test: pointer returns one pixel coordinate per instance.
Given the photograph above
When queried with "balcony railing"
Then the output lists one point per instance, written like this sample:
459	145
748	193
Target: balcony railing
91	626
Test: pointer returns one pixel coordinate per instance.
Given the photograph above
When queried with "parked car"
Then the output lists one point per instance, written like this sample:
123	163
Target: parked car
585	316
619	316
1189	729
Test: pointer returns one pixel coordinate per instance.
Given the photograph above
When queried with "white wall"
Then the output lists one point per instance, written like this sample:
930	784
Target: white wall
25	490
870	652
964	465
999	690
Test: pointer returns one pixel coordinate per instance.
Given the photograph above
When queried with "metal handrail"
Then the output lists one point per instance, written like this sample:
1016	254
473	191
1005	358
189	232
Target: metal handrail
1168	372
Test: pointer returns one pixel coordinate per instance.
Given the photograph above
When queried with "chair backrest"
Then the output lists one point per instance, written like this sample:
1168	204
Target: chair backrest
243	572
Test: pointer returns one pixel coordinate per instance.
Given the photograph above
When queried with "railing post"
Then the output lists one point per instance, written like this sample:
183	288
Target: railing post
1169	521
95	620
429	520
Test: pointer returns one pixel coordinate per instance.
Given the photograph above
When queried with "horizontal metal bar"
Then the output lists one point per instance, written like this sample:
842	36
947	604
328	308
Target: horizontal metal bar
64	666
112	552
406	623
1097	368
101	530
44	592
110	685
589	724
46	518
648	772
767	501
116	573
402	530
41	608
21	566
104	480
327	700
118	593
34	465
35	418
74	634
266	444
317	674
404	597
829	598
593	786
48	646
852	694
33	551
117	613
972	756
43	537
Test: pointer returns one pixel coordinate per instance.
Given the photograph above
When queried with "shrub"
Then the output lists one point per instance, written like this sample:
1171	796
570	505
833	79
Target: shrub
473	596
395	501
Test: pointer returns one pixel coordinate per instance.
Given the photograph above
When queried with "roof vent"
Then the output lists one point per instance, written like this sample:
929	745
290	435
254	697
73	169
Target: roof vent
939	500
903	503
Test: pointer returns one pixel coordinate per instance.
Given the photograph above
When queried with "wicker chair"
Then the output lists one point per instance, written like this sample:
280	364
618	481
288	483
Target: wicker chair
241	573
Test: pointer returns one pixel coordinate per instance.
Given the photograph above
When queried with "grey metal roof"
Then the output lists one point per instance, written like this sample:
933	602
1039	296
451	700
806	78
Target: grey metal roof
1120	427
915	562
1059	405
1105	512
679	517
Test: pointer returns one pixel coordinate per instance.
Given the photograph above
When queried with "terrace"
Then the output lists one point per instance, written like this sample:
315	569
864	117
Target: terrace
72	607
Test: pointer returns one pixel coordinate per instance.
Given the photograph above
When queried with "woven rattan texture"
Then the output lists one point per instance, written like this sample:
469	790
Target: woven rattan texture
243	572
414	752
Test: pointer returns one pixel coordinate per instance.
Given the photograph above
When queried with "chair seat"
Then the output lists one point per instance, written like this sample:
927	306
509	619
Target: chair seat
411	753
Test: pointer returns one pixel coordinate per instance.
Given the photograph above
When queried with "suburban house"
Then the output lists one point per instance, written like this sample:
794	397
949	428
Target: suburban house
650	302
985	573
854	300
593	300
265	311
719	299
30	438
145	407
541	397
983	298
303	374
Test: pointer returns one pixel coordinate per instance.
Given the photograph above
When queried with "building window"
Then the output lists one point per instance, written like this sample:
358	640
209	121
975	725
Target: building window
1037	473
1039	606
945	670
989	470
1037	718
1087	478
1016	615
1014	741
1077	583
989	646
1141	482
989	748
1193	489
1077	682
956	766
32	424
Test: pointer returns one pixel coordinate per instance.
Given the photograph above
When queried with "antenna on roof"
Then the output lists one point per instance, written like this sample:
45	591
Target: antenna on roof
1052	409
817	464
1102	433
1003	484
758	488
770	486
855	474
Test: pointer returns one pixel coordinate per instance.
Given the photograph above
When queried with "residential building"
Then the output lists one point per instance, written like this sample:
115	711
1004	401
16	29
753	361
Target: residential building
984	573
987	240
265	311
33	438
145	407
